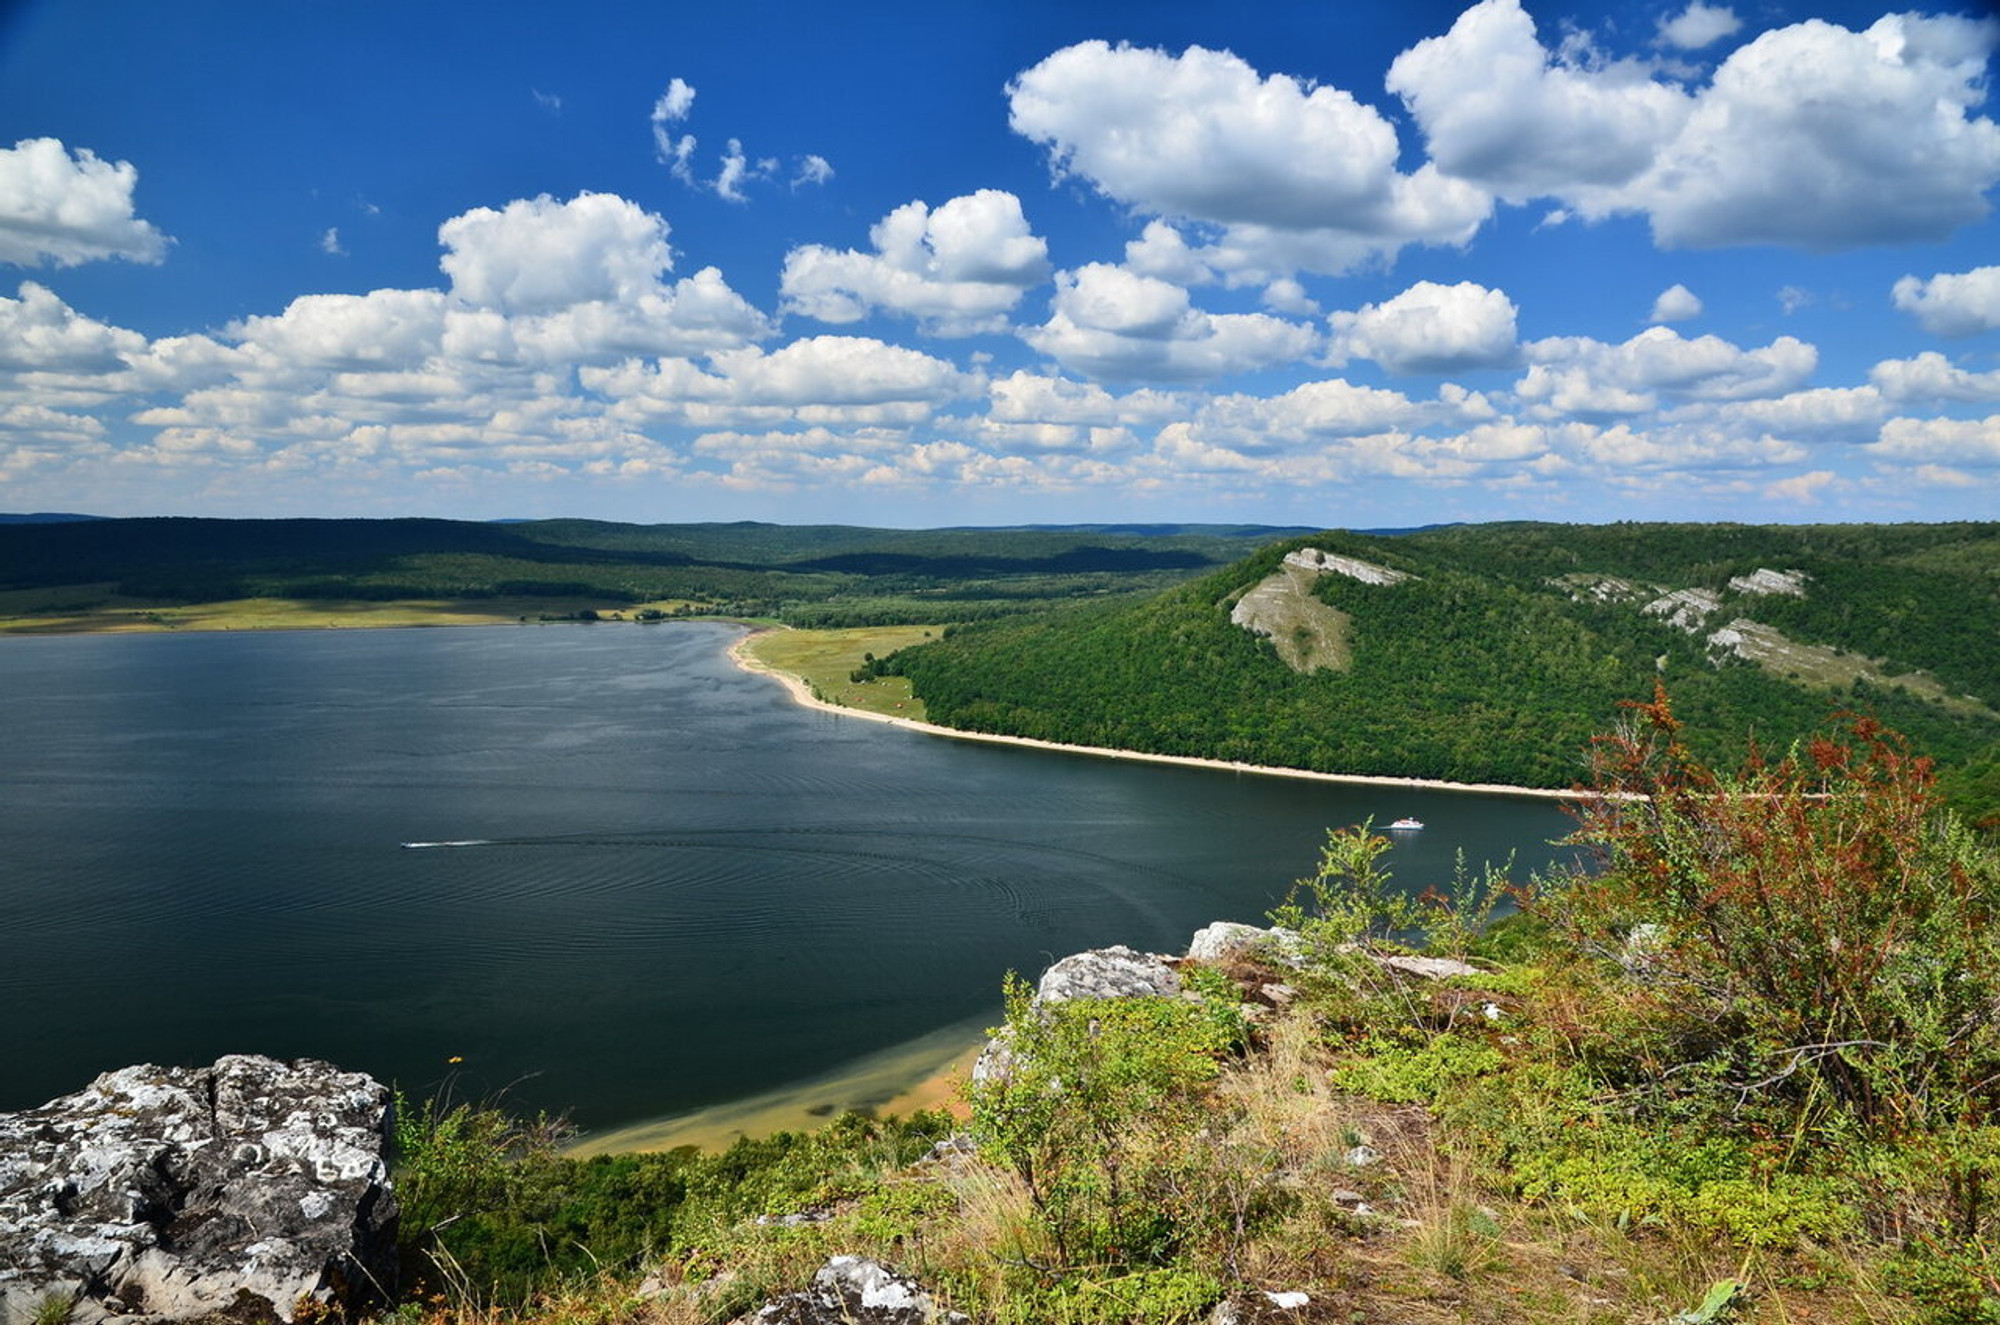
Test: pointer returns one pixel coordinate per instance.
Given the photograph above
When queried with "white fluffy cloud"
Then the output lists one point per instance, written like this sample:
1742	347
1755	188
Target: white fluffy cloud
62	210
821	380
582	280
960	269
1699	25
1024	397
1947	441
1429	328
1676	303
538	255
381	329
1112	323
1821	137
1576	375
39	332
1811	135
1820	413
1952	303
1931	377
1506	114
1301	175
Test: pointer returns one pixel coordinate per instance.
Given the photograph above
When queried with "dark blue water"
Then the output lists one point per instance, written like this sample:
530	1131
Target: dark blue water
688	889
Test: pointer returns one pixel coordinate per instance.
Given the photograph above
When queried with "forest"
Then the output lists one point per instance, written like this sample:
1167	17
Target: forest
1491	663
818	575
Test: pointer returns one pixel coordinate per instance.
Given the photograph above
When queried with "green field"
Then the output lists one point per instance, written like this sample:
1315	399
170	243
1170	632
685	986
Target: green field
826	659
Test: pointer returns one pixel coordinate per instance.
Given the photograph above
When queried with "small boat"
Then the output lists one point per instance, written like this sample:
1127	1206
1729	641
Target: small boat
1406	825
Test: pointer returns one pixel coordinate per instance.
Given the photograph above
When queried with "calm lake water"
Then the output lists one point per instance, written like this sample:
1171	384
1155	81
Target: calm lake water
679	887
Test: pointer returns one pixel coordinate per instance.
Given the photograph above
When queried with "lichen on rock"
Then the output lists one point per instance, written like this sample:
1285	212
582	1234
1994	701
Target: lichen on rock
171	1193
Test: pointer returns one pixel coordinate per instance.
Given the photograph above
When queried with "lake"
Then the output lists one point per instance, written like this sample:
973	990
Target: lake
675	887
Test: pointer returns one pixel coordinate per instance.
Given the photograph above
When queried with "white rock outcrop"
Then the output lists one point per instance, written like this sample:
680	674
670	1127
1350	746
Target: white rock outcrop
170	1193
1354	568
853	1290
1763	580
1685	608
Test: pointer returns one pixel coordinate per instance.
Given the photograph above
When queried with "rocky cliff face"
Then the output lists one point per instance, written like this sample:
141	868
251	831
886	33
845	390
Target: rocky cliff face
158	1194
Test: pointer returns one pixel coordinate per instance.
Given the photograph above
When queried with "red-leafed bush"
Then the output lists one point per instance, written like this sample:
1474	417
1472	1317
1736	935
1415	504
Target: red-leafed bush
1820	935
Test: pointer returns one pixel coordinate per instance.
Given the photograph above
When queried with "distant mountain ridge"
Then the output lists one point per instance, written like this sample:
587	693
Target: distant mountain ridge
809	574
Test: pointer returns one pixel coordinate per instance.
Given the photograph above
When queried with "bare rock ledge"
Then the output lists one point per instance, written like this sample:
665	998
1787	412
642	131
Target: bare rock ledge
160	1194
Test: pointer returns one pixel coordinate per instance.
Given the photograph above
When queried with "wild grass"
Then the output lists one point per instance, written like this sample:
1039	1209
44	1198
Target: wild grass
826	660
1602	1129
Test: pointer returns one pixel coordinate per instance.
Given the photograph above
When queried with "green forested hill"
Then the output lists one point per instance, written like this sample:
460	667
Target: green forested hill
1496	661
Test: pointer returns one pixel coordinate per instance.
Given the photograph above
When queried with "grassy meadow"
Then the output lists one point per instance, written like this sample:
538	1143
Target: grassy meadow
826	661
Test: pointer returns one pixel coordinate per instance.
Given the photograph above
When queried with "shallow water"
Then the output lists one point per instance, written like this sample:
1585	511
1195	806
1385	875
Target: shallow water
661	885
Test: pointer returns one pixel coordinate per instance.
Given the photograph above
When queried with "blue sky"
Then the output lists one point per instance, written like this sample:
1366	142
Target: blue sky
1354	264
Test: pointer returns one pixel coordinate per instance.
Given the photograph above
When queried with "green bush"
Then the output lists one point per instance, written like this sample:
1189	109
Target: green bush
1096	1112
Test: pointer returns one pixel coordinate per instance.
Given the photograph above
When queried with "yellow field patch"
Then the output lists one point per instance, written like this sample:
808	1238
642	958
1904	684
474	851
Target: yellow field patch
824	659
90	609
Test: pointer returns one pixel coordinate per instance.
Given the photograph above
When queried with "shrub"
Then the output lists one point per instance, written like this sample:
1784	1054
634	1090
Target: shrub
1096	1113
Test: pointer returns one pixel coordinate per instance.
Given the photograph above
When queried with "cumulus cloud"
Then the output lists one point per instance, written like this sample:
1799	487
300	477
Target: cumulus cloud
1811	135
1161	251
1429	328
1952	303
1025	397
1946	441
60	210
1829	412
821	380
1699	25
1825	138
329	243
959	269
1115	324
1676	303
813	169
536	255
39	332
1299	175
1501	111
1930	377
1576	375
345	331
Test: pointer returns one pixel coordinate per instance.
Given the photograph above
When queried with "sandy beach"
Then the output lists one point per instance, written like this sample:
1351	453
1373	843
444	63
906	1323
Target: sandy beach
924	1073
739	653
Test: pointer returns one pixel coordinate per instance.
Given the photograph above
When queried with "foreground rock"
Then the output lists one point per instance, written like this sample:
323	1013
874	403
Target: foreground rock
164	1194
1114	972
852	1290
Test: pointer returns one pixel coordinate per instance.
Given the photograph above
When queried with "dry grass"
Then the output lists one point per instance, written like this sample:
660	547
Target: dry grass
1422	1235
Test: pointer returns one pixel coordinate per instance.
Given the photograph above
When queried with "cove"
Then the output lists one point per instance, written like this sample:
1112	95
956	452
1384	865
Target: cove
667	886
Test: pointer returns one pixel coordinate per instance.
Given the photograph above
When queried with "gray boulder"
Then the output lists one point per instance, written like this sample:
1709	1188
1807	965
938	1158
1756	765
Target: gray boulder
1226	938
852	1290
1114	972
164	1194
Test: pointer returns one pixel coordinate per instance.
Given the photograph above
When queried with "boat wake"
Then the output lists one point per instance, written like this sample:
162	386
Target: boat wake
468	842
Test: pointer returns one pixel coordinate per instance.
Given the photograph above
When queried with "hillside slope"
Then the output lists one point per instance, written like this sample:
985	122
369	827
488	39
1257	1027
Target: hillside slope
1507	646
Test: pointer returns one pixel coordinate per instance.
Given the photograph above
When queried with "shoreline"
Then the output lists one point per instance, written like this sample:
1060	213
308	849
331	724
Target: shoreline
927	1072
802	694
